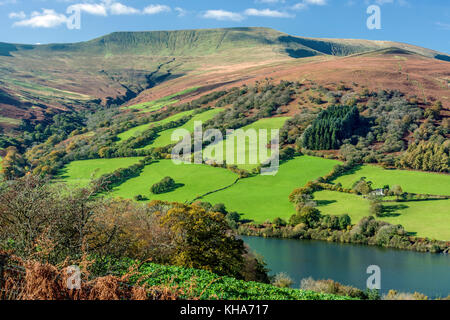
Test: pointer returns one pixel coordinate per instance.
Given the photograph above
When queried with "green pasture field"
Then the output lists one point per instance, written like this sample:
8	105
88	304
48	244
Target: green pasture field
80	173
250	146
194	180
422	218
160	103
139	129
165	137
260	198
410	181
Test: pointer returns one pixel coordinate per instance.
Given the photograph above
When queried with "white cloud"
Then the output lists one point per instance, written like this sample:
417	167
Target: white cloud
156	8
223	15
299	6
90	8
48	18
118	8
305	3
267	13
104	8
17	15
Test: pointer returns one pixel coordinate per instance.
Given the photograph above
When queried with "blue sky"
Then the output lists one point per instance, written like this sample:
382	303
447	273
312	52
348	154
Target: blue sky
421	22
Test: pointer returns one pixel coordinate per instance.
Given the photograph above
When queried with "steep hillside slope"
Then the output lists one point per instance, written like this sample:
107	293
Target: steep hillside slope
37	80
384	69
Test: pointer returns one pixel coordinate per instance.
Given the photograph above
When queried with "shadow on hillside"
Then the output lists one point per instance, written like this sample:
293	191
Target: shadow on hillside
392	210
175	187
322	203
350	172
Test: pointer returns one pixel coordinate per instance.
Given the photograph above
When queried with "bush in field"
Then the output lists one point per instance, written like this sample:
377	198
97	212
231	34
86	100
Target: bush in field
139	197
376	208
165	185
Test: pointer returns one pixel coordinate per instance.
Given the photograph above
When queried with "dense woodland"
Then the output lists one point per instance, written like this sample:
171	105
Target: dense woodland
331	127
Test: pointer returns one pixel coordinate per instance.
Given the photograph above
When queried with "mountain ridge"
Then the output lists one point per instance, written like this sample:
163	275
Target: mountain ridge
167	40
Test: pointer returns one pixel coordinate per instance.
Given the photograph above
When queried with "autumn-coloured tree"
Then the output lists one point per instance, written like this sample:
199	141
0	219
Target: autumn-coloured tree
203	240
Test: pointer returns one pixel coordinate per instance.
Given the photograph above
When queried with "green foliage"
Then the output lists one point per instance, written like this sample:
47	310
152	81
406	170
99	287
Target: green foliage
307	215
335	222
362	186
206	285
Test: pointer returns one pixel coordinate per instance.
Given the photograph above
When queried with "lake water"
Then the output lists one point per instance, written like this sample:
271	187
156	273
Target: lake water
405	271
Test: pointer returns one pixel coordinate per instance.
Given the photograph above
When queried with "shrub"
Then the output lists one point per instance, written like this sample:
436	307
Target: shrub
282	280
395	295
278	222
330	286
165	185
